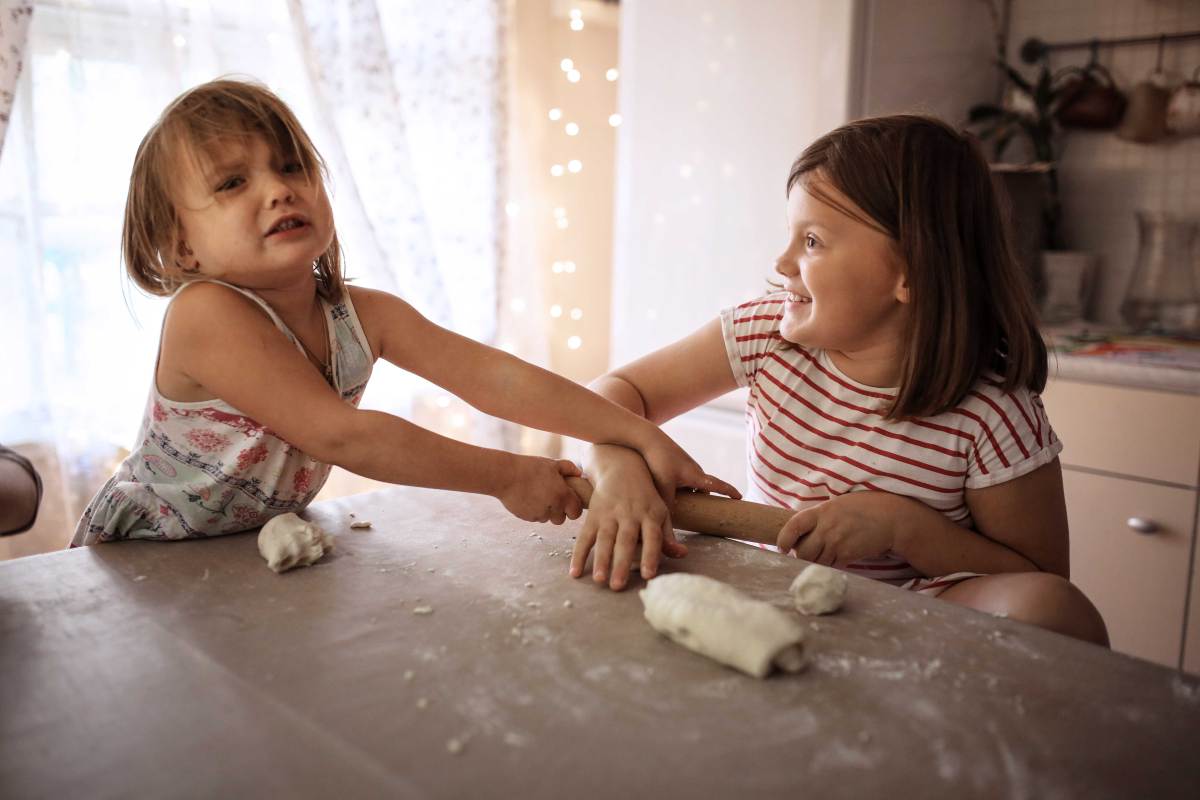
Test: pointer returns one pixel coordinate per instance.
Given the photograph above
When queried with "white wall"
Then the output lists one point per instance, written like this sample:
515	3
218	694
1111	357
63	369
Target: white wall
718	98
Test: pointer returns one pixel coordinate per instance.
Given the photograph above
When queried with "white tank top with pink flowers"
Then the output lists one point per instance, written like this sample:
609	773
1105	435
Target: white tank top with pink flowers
205	469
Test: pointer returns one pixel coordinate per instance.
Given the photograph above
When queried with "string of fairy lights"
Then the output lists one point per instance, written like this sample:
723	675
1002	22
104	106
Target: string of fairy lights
569	128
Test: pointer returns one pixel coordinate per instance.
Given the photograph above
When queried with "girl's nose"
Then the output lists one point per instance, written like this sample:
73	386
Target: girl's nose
278	191
785	265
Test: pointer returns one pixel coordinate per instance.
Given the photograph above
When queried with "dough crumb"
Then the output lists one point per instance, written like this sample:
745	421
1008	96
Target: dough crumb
533	604
528	584
819	590
422	703
454	746
287	541
567	604
409	674
204	577
360	525
423	610
139	578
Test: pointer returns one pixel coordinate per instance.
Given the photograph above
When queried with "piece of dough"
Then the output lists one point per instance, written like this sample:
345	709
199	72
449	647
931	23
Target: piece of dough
819	590
716	620
287	541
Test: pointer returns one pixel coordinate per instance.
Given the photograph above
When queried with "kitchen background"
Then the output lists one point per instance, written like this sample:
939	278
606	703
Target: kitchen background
615	177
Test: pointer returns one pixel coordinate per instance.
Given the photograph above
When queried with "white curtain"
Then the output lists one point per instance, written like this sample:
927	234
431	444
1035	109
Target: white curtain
405	100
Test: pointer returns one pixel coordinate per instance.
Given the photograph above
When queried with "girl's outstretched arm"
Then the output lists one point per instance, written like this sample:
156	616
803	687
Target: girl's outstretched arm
626	507
502	385
226	347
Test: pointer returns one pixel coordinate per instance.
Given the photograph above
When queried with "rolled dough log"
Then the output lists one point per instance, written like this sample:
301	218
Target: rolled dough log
287	541
716	620
819	590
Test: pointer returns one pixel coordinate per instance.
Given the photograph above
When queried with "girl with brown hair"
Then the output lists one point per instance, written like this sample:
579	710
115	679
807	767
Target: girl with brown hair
265	351
894	380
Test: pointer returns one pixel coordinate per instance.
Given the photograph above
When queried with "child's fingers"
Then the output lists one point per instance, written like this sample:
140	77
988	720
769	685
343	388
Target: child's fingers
569	469
652	545
623	553
796	527
810	548
583	546
719	486
602	553
671	545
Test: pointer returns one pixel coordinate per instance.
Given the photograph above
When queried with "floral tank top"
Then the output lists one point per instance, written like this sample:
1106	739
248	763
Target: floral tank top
205	469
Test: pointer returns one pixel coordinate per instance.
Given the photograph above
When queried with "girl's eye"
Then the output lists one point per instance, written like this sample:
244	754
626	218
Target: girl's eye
292	167
231	183
810	241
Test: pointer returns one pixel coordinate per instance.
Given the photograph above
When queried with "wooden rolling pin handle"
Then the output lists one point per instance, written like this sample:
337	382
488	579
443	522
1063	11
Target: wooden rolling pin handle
717	516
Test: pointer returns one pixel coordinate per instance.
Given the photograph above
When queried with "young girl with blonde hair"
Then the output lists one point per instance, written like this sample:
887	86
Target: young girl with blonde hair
265	351
894	381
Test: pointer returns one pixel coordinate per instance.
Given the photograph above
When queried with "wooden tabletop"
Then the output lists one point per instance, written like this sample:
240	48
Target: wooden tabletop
189	669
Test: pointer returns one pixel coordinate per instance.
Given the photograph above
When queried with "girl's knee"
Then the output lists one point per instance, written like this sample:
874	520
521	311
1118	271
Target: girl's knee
1051	601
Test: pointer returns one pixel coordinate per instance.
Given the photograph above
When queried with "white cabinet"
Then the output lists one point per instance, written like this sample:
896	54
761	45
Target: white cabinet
1131	458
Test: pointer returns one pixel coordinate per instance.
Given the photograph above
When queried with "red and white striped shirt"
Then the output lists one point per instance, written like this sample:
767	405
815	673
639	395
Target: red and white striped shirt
815	433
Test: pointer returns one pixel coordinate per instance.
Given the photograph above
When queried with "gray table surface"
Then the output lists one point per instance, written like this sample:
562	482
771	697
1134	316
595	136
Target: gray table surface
188	669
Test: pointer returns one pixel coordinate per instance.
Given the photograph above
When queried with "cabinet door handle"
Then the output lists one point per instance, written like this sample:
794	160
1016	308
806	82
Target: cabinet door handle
1142	525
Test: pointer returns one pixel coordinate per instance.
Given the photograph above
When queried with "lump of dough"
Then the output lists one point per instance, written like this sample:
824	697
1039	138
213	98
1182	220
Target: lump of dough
716	620
819	590
287	541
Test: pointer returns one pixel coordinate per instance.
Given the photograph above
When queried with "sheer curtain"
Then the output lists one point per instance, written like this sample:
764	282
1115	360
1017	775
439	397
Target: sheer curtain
405	100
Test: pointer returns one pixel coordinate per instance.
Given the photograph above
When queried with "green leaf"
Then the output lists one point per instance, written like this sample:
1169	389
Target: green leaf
1016	78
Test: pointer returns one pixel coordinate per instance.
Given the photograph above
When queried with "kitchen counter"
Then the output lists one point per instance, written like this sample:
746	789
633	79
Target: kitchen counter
1099	354
189	669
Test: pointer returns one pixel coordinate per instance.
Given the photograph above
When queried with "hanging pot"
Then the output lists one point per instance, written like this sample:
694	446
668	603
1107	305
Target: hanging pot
1090	98
1183	109
1145	117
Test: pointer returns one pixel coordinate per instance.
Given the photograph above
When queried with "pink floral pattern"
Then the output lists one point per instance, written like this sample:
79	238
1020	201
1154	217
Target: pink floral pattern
207	441
302	480
251	456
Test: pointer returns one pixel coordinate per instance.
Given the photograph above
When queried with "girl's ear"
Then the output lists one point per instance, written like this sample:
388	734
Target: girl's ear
901	292
185	259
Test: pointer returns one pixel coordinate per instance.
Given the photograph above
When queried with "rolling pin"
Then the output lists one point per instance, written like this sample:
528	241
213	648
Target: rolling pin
716	516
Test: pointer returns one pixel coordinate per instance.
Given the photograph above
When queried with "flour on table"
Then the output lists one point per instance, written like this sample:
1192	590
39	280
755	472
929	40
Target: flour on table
423	611
718	621
819	590
360	524
287	541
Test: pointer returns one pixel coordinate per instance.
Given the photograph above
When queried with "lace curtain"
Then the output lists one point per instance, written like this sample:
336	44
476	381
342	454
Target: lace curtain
406	101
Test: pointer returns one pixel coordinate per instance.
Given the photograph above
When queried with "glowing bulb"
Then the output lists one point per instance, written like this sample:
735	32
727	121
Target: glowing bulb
566	64
556	170
576	24
574	342
614	119
572	129
568	266
611	74
555	114
517	305
576	313
556	267
574	165
556	311
573	76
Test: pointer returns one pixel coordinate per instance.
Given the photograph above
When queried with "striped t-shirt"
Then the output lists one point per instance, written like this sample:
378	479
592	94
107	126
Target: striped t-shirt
814	433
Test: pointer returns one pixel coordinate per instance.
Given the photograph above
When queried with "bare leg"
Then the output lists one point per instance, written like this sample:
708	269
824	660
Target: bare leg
1039	598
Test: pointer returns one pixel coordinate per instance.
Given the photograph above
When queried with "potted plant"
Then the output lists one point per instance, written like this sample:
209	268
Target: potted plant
1028	116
